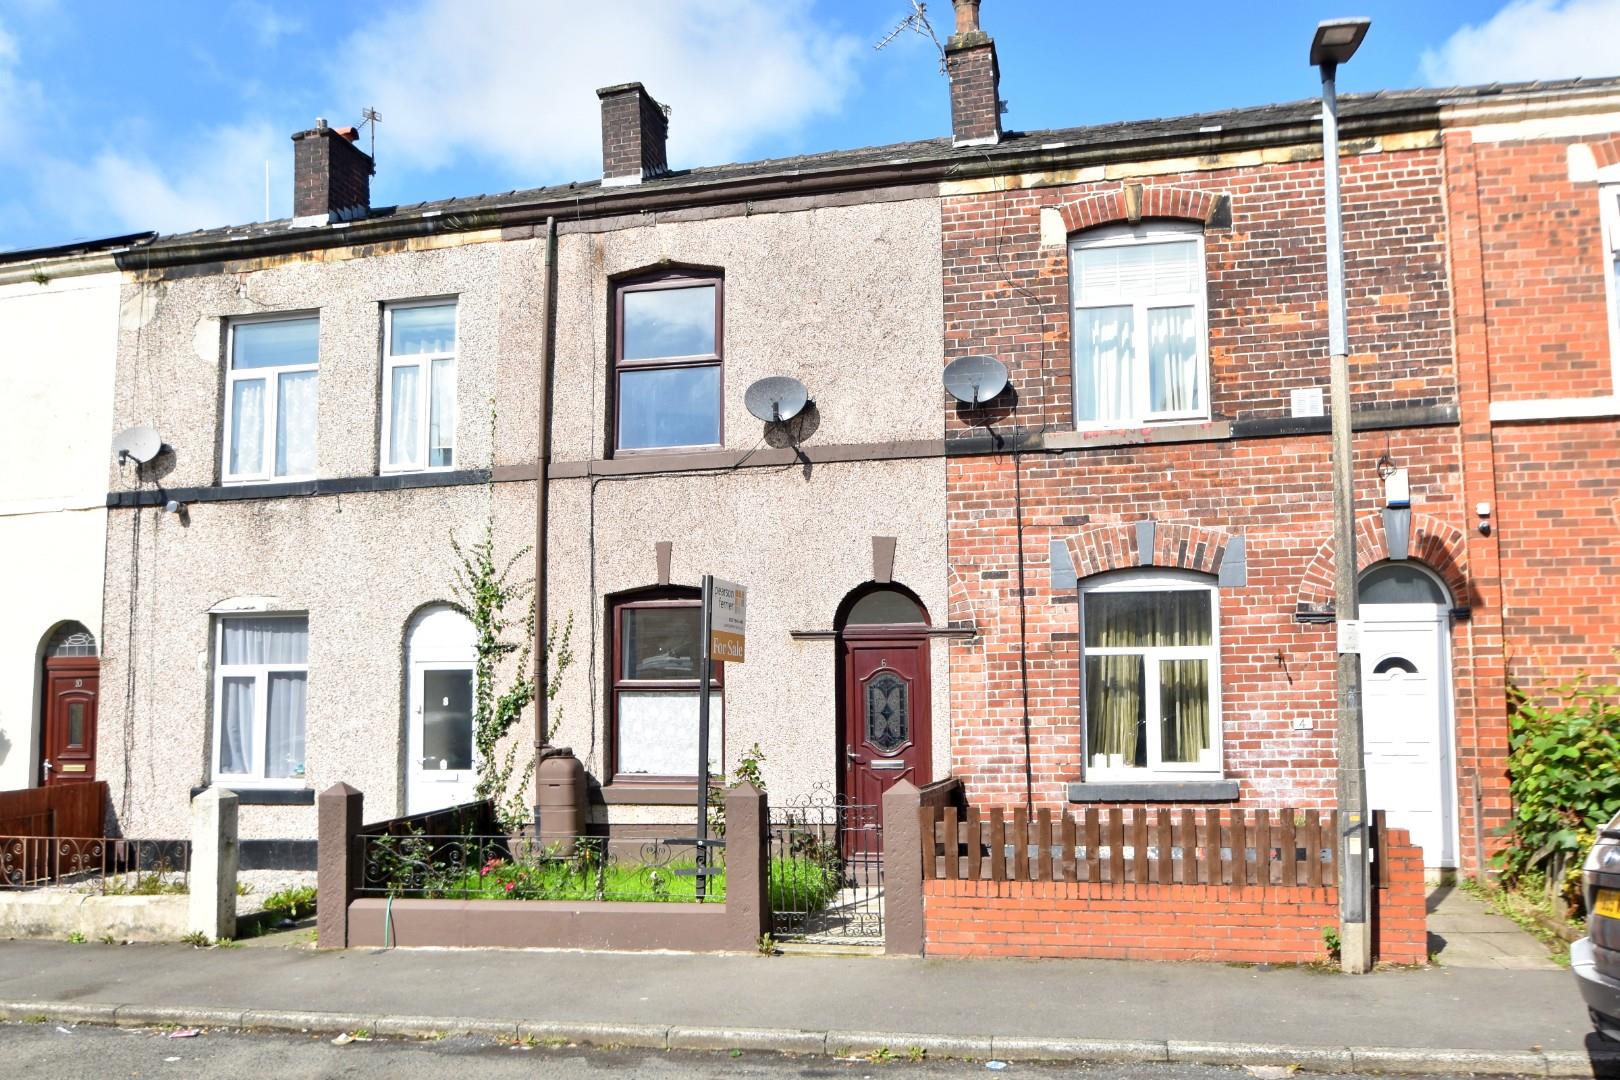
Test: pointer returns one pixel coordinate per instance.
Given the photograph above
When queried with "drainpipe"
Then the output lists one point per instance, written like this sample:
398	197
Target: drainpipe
548	336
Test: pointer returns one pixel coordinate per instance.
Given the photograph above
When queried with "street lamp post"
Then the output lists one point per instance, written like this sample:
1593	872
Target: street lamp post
1335	42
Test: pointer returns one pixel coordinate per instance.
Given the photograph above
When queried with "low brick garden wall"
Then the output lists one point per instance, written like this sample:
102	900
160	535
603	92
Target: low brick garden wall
1224	887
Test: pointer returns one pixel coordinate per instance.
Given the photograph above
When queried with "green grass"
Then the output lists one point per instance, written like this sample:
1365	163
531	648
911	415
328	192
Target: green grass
795	884
153	884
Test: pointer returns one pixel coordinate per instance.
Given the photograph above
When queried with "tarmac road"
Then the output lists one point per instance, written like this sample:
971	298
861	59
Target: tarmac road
47	1051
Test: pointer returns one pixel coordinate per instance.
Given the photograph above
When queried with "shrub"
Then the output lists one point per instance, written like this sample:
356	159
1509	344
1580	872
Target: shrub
296	903
1564	775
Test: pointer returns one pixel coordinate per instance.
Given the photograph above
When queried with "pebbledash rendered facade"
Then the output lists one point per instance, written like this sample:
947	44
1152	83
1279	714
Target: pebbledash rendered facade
1111	583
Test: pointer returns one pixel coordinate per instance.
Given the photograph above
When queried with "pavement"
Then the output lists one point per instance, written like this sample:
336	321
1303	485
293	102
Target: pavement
1440	1019
1465	933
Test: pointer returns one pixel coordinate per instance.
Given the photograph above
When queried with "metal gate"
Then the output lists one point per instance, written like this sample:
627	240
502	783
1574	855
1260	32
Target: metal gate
826	871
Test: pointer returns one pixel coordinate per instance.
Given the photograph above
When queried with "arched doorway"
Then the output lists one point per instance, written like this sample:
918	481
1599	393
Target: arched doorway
440	770
1406	704
68	706
884	700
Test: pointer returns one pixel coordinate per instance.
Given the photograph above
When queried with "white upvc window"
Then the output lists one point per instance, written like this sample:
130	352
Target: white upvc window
419	386
1610	194
1151	675
261	677
1141	352
270	399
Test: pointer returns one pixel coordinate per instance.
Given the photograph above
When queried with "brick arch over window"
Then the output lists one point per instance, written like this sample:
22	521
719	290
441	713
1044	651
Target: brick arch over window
1434	544
1097	549
1133	202
1606	151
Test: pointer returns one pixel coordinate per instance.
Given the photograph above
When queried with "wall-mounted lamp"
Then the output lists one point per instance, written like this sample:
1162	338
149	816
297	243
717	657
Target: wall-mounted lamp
1483	510
1397	513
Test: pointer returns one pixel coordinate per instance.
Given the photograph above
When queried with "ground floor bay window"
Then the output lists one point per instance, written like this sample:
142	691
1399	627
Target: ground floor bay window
656	655
1150	674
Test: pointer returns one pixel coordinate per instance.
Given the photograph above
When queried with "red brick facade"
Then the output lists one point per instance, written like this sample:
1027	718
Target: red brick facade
1223	923
1457	297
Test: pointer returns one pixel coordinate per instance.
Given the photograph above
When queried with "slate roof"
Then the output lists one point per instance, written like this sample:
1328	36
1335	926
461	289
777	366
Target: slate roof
1122	134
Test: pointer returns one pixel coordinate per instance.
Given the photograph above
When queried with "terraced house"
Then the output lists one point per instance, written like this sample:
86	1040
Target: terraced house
1108	584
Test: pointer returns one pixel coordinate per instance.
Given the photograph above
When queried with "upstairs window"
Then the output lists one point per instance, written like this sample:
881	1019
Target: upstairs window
1152	685
419	386
1140	348
667	362
270	398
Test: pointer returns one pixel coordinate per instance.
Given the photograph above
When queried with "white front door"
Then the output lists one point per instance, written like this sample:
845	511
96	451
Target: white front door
1406	710
440	770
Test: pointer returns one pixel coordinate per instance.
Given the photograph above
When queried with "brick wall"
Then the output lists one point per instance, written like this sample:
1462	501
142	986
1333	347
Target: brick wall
1277	675
1544	302
975	97
1532	324
634	133
330	175
1558	487
1222	923
1007	294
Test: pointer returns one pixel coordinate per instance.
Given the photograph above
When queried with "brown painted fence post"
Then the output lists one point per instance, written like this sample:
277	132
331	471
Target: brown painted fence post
748	899
339	815
903	870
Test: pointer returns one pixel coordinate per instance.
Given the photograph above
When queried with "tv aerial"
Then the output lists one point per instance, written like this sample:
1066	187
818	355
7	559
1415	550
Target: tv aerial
974	380
137	444
776	399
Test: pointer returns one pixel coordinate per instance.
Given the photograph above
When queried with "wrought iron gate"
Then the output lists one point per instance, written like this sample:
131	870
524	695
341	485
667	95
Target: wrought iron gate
826	871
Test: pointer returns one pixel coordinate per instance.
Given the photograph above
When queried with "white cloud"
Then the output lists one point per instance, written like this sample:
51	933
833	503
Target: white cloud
21	100
515	84
1531	39
216	179
268	25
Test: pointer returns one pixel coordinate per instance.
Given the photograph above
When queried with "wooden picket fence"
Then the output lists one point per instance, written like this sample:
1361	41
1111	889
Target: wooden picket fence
1136	846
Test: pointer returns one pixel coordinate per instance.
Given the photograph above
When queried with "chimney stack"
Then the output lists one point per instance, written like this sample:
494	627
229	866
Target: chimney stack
970	57
331	176
635	129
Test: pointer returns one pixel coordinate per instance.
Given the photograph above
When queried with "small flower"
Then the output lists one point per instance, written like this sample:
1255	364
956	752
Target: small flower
510	885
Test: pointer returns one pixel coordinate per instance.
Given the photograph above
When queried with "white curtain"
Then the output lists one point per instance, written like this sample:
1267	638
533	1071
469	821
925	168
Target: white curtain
657	732
1102	364
236	725
295	423
247	426
442	414
264	641
284	725
1173	360
404	408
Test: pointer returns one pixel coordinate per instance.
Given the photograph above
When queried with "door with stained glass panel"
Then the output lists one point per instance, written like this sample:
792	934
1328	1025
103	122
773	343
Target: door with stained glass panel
886	727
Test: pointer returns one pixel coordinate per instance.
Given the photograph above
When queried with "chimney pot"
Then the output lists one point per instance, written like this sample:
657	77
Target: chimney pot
331	176
635	133
967	16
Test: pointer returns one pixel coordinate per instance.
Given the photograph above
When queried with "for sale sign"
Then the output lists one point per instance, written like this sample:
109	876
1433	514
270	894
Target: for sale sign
728	603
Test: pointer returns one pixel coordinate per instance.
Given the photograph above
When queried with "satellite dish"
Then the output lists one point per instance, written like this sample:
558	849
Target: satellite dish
141	444
974	380
776	399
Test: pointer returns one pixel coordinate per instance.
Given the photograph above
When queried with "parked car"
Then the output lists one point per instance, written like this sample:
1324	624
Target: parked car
1595	959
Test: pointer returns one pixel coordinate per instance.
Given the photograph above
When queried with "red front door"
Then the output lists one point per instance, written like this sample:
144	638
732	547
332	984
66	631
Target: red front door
68	734
886	727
